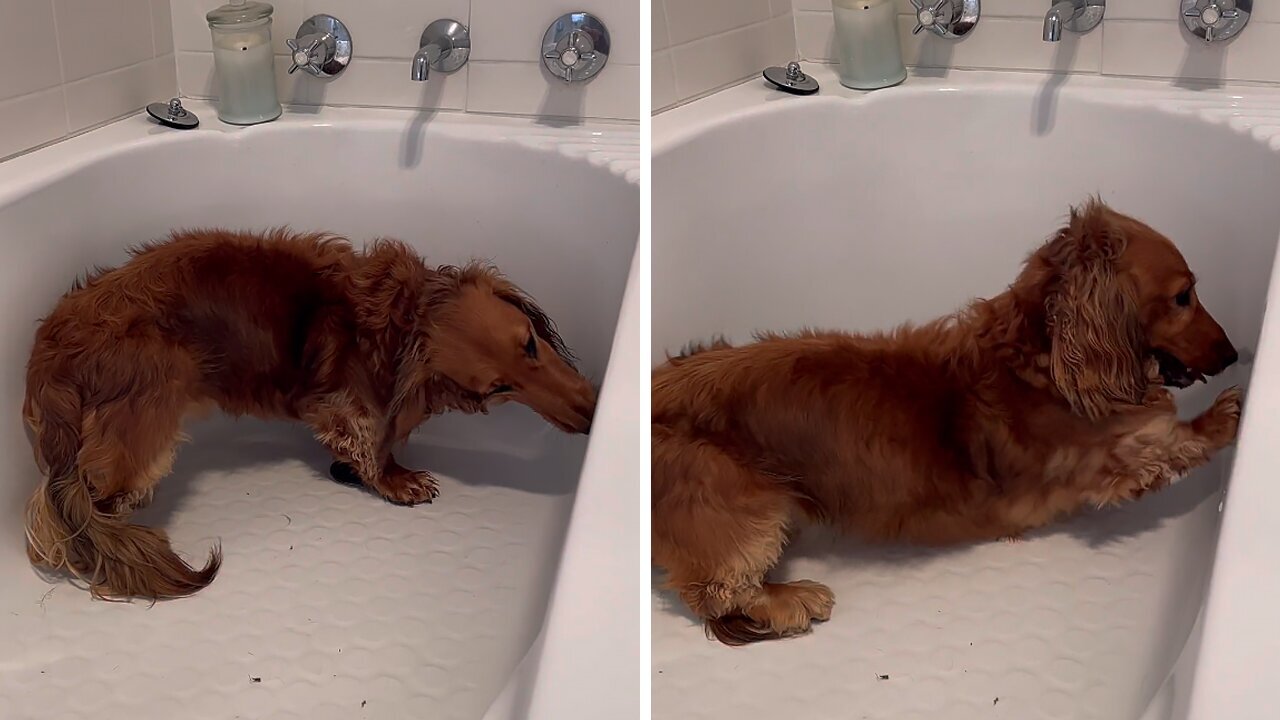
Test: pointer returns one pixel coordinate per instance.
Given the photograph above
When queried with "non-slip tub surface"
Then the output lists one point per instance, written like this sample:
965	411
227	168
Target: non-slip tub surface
1080	622
331	603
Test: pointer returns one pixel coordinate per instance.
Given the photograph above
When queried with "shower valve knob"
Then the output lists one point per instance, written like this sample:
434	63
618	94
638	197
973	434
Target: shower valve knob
926	17
322	47
946	18
306	57
576	47
1216	20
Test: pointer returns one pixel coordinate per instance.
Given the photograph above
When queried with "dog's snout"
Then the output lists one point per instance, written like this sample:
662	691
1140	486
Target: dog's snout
1224	355
1231	357
586	409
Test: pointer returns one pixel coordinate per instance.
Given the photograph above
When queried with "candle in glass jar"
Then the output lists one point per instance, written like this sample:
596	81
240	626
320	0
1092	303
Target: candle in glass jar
245	72
867	40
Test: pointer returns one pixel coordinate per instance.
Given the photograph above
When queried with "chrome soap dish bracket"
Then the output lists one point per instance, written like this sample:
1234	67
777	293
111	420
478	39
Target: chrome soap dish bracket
322	47
1215	20
576	47
946	18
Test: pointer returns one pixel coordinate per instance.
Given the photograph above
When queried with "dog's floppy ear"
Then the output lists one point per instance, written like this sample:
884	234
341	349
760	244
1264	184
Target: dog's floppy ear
1092	314
543	325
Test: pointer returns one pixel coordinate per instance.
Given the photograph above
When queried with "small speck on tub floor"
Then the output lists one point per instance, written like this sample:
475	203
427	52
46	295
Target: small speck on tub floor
881	677
363	703
253	679
996	701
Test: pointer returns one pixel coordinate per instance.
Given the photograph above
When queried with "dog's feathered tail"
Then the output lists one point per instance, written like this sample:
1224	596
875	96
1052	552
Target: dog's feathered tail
66	530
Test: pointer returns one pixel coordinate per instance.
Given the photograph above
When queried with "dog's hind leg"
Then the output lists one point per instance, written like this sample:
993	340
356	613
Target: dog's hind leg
718	527
129	445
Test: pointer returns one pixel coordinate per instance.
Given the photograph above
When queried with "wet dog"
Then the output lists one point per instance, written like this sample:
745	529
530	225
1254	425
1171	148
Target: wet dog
360	346
1016	411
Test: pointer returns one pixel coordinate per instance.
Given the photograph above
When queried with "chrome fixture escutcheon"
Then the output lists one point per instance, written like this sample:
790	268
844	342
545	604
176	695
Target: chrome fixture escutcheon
946	18
322	47
1216	20
576	47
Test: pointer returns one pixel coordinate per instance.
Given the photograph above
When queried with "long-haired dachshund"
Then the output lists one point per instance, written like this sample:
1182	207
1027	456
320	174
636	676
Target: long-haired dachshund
1016	411
360	346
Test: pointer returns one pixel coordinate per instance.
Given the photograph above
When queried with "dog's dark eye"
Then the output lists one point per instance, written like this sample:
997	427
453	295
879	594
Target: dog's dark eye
499	389
531	347
1183	298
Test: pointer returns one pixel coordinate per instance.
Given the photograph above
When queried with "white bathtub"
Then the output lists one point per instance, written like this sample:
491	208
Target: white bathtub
332	603
862	211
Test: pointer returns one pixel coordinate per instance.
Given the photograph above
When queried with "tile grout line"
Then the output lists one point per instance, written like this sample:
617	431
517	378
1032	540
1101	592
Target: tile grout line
62	70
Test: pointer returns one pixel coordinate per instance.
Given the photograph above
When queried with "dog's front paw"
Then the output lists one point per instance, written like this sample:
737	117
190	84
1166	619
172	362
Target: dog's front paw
408	487
1221	421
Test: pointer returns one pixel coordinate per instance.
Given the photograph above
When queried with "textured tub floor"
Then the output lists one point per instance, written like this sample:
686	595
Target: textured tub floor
1082	623
330	603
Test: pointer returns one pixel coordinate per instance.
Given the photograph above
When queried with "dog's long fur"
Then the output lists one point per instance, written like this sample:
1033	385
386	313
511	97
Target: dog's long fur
361	346
1016	411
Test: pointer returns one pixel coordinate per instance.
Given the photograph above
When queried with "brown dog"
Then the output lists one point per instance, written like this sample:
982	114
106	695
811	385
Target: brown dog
362	347
1014	412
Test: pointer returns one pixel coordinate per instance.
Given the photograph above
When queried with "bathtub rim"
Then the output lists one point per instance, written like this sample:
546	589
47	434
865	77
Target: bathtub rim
615	146
1221	678
753	97
591	588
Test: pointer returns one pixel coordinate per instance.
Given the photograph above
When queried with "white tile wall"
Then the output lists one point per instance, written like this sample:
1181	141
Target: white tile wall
700	46
504	74
76	64
1142	38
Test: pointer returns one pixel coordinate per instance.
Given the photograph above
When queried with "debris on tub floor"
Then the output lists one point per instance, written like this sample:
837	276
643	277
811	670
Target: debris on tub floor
881	677
253	679
996	701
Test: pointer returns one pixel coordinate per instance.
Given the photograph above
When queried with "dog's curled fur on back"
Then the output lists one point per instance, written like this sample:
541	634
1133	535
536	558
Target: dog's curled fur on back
360	345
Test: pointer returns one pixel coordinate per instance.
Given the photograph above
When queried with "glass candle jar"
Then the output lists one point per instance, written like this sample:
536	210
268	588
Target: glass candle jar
243	62
867	39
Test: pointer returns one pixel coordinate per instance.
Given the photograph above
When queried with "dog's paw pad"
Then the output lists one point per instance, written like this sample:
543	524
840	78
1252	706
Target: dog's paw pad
1221	422
410	488
1229	402
816	598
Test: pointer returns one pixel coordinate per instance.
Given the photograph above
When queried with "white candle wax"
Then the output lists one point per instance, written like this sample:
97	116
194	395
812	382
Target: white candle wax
245	72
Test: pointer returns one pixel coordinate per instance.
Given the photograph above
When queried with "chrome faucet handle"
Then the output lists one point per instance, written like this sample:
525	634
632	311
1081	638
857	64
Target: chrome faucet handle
322	47
1215	20
946	18
307	57
575	47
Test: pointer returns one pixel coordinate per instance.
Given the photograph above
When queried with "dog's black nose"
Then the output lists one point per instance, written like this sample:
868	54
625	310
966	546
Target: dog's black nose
1229	357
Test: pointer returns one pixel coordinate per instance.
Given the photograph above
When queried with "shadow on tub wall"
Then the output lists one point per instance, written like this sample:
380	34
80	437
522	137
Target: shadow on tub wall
503	75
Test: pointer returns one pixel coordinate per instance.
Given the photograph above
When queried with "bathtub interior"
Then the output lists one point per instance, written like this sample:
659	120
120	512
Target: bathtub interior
331	603
853	223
